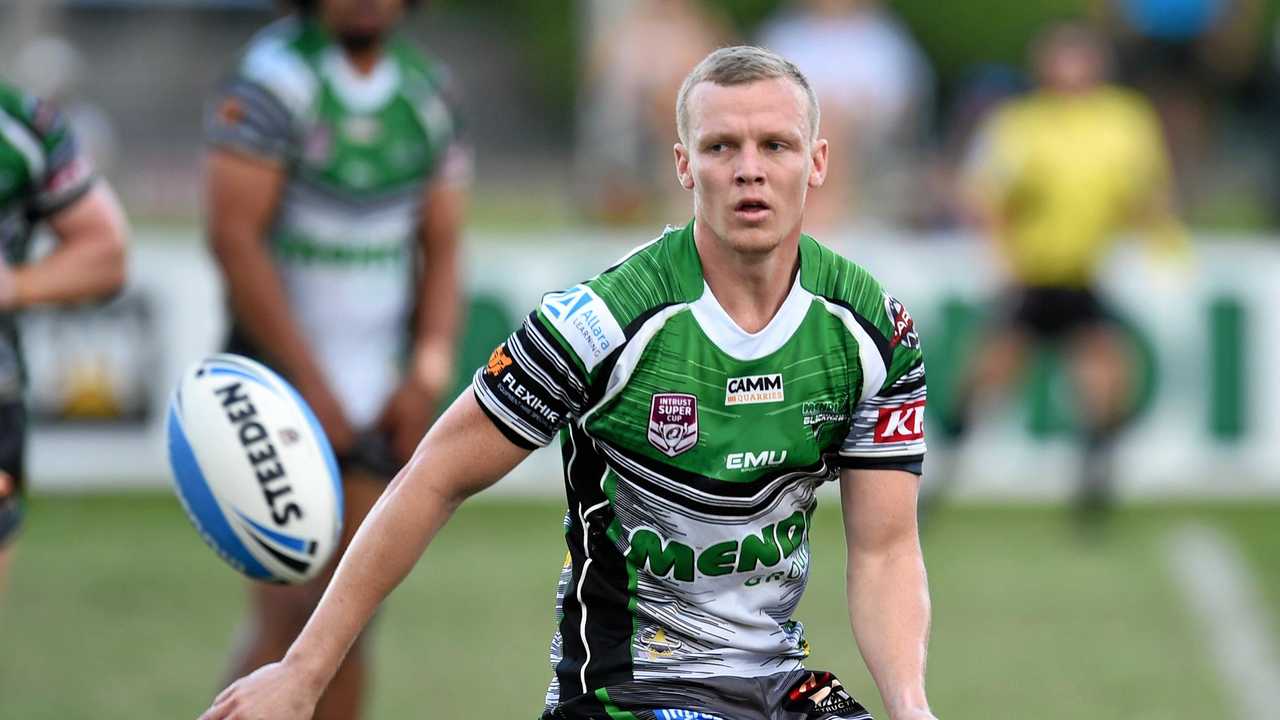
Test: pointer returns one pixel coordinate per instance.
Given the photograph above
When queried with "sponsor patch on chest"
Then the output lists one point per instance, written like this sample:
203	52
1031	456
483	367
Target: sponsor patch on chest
753	389
673	422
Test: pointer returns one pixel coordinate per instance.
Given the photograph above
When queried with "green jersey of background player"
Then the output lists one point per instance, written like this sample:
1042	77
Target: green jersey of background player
703	388
44	177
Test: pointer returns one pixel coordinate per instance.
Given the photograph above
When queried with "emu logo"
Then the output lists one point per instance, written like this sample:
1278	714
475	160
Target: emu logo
751	461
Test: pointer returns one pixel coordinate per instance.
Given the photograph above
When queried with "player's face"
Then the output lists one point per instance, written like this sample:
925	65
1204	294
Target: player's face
750	161
1072	67
361	22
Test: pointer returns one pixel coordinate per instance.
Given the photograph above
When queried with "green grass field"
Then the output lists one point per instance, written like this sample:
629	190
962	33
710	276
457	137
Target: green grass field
117	610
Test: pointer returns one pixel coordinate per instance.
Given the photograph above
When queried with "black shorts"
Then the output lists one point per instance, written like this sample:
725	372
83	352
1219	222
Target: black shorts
796	695
1054	313
372	452
13	443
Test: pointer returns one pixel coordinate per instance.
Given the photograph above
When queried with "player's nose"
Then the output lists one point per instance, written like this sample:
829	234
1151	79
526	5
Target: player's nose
749	169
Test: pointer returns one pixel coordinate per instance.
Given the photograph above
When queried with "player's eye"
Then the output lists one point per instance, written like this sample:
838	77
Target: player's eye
717	147
775	146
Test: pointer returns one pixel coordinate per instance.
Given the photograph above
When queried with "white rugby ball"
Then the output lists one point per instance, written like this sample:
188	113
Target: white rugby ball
254	470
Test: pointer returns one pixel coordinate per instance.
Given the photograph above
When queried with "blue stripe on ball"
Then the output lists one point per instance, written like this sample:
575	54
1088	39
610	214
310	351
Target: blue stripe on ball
203	508
296	544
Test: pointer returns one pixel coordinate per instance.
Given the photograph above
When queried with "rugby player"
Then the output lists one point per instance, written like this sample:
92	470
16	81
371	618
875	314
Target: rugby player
702	388
44	177
1052	179
336	182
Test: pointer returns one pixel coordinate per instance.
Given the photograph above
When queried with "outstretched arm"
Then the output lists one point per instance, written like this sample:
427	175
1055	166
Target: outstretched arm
888	591
462	454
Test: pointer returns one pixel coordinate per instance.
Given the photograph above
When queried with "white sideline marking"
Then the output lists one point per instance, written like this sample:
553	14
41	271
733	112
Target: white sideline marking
1221	591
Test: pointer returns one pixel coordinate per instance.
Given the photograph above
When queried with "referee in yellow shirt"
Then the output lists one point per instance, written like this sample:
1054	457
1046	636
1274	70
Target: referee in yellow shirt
1051	179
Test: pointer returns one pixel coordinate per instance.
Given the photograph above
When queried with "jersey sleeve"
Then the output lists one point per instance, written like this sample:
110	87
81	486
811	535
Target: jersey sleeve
248	118
887	427
62	173
530	387
540	378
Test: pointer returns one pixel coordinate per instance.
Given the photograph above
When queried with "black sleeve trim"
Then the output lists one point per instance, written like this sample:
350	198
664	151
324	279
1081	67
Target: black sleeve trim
908	387
548	342
913	464
67	200
515	438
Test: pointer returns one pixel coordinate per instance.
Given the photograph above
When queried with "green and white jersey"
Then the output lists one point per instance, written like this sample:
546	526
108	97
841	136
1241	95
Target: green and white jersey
359	151
42	171
693	451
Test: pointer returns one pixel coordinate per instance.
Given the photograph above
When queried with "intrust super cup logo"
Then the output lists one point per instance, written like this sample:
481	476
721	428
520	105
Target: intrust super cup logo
673	422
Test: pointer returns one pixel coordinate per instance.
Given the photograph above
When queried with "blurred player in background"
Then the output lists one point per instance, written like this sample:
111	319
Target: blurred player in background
628	113
44	177
1051	180
874	83
703	388
335	187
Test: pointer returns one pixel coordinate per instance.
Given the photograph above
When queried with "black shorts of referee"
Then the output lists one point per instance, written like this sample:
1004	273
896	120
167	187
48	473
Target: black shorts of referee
1048	313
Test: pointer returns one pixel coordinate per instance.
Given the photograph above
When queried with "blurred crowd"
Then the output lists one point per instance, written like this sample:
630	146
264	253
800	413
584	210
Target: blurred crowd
900	115
902	130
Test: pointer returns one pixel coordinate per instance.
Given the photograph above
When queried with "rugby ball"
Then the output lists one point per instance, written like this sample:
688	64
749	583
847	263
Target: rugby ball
254	470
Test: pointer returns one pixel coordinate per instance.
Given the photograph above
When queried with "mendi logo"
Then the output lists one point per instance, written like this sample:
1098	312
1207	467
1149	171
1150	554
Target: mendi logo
769	548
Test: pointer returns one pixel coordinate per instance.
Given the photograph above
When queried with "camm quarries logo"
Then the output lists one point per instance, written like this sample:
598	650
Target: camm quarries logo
753	389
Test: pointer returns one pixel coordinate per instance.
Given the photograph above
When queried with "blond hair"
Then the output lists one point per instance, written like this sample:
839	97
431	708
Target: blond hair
740	65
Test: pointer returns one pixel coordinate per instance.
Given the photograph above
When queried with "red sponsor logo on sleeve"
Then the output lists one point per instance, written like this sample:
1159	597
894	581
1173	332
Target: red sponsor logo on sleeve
904	328
901	423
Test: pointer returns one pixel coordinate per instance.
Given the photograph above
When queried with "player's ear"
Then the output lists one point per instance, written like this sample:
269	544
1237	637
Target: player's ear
818	157
683	173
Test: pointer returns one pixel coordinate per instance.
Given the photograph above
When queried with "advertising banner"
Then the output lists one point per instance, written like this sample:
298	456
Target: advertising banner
1202	328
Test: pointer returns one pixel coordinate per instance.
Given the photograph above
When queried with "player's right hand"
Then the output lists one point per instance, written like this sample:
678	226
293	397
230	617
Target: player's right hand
272	692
